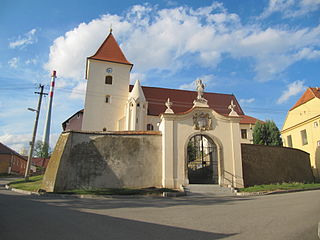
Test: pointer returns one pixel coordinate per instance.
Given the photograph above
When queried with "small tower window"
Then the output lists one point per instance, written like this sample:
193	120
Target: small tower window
244	134
107	99
108	79
149	127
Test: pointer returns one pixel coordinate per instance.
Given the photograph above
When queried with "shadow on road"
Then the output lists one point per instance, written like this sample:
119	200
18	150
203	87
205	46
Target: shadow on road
23	217
132	202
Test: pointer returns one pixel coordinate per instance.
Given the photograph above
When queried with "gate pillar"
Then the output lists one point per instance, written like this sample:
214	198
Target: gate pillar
167	129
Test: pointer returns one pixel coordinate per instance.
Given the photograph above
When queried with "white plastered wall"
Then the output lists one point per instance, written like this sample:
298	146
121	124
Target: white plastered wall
177	129
249	128
97	113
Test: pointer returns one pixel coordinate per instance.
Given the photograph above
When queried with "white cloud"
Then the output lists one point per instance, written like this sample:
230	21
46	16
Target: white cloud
69	52
53	140
307	53
292	90
245	101
188	86
151	39
13	62
31	61
174	38
291	8
16	141
137	76
206	79
20	142
79	92
28	38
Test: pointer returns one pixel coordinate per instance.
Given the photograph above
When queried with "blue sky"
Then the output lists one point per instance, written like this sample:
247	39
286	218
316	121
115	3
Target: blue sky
266	52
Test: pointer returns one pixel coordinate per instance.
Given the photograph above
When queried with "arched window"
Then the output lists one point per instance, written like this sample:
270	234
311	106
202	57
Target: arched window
149	127
108	79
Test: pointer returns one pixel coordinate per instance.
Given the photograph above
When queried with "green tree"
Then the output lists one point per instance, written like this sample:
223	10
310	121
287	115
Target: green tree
267	134
41	150
192	152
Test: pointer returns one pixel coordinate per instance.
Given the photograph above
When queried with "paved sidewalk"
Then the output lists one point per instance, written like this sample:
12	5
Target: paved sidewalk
213	190
6	180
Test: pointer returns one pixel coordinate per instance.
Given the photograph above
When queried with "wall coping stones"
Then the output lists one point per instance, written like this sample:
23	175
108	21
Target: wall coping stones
117	132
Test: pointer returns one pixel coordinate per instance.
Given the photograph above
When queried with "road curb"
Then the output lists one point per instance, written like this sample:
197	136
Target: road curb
247	194
90	196
21	191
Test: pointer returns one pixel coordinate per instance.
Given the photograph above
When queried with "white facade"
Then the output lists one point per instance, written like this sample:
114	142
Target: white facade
105	103
178	129
109	106
136	109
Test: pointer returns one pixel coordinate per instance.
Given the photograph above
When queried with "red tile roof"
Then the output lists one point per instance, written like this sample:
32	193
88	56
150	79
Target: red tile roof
40	162
183	100
248	120
6	150
110	51
309	94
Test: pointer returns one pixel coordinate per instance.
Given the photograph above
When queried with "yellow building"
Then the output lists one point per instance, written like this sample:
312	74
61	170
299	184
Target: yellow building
301	128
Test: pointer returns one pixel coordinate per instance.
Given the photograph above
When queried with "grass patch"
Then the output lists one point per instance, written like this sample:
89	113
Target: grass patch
32	185
119	191
280	186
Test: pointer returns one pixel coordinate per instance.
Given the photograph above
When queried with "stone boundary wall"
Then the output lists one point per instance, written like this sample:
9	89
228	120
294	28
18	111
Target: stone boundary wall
88	160
266	164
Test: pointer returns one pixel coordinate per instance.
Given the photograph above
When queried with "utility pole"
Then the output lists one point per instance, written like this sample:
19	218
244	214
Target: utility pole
27	173
46	132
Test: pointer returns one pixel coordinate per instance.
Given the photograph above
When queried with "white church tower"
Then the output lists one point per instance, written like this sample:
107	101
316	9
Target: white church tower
108	75
136	110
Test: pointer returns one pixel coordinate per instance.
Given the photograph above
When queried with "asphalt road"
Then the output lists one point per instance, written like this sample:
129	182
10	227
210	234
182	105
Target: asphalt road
283	216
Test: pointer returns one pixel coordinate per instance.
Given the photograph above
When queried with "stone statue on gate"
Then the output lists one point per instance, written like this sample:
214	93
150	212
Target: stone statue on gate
200	88
200	101
168	105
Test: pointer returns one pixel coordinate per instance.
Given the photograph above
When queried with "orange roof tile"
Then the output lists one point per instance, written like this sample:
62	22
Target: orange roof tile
248	120
183	100
309	94
110	51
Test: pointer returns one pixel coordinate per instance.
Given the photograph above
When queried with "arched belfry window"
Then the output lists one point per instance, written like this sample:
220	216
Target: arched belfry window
150	127
108	79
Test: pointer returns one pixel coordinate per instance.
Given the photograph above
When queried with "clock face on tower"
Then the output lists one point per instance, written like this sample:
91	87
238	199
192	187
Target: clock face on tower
109	70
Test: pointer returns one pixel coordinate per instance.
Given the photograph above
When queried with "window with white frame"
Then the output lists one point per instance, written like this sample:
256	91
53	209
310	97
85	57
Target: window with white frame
304	137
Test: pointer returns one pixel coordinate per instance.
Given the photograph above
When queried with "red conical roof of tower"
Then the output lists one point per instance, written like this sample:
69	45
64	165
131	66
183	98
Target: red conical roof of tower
110	51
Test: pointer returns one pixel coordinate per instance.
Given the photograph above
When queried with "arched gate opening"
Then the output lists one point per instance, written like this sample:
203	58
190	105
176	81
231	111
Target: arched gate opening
202	160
